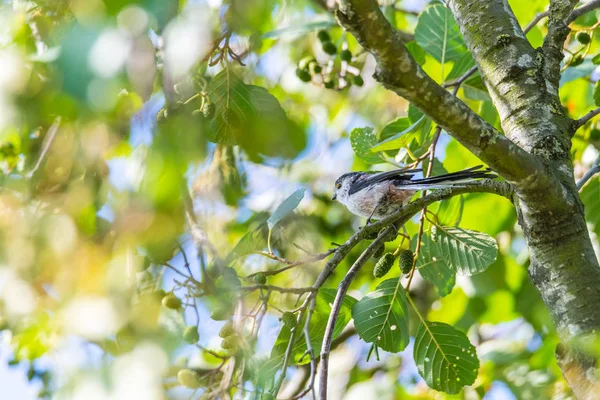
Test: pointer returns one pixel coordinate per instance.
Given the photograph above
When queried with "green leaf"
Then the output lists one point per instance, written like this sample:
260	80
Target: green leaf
433	266
252	241
381	317
580	71
397	125
318	323
416	52
467	252
590	196
597	93
438	34
401	139
414	114
445	358
362	139
461	66
596	59
248	116
285	208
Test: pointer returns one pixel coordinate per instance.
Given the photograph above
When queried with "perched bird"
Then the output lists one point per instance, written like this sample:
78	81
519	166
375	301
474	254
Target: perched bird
379	194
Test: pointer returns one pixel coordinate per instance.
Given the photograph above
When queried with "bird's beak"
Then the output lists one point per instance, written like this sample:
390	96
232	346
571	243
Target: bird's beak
334	197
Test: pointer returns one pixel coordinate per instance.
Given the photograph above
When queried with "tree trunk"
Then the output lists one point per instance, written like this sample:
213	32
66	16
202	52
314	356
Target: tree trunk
534	154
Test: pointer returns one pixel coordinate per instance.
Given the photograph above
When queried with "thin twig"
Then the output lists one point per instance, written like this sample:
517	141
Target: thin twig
47	143
588	175
337	305
291	264
279	289
587	7
583	120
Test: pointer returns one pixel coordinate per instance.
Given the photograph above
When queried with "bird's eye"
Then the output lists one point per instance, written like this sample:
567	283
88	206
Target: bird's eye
338	185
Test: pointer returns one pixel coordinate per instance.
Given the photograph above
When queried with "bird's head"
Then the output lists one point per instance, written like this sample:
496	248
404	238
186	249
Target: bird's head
342	186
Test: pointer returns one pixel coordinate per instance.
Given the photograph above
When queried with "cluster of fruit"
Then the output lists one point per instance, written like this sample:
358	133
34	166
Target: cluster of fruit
331	75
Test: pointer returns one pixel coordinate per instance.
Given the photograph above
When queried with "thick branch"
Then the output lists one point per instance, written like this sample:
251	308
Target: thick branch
397	71
528	104
558	30
587	7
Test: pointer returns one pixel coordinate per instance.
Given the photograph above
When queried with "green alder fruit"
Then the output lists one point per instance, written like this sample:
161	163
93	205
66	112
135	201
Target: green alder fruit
227	330
314	68
346	55
208	110
406	260
303	75
329	48
383	265
230	342
190	335
171	301
189	378
583	37
329	83
358	80
323	36
260	278
379	252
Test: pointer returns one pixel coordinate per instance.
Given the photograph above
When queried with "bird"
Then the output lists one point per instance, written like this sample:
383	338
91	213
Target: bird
376	195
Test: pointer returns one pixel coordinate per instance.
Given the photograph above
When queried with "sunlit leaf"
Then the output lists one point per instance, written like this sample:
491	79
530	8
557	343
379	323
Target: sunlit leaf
438	34
433	266
362	139
467	252
381	317
445	358
285	208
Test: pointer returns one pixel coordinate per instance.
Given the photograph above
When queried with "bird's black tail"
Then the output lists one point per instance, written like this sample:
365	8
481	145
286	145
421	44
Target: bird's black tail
451	179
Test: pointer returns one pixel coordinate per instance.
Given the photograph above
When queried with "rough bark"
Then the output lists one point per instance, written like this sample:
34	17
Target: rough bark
533	156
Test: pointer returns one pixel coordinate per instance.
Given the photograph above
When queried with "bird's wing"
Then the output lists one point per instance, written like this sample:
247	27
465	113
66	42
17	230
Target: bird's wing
369	179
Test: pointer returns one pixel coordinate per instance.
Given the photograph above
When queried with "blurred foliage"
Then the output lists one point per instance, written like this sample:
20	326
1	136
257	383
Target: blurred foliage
111	109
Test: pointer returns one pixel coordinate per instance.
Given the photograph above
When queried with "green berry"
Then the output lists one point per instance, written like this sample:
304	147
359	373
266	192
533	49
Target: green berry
208	110
303	75
595	135
329	83
358	80
220	313
260	278
329	48
314	68
230	342
406	260
383	265
323	36
379	252
190	334
575	61
227	330
189	378
346	55
171	301
583	37
288	319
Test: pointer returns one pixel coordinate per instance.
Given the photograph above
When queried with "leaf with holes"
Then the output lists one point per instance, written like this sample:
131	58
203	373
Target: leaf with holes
445	358
286	207
247	115
362	139
467	252
403	139
433	267
438	34
381	317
